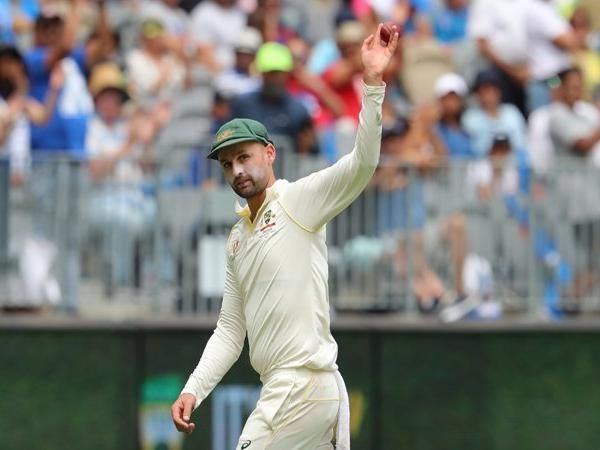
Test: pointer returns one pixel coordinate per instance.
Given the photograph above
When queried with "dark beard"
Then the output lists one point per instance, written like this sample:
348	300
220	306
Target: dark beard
248	191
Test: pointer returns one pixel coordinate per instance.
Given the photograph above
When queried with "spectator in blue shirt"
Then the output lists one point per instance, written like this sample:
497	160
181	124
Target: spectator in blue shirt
449	21
491	117
450	90
55	43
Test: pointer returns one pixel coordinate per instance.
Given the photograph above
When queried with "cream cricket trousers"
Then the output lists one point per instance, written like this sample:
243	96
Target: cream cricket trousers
297	410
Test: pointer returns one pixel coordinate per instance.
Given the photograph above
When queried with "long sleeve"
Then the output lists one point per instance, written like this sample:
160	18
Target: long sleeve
224	346
316	199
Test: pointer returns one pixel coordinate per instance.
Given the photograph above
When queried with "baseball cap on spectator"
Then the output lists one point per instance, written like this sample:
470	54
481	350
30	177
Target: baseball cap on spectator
486	78
274	57
450	83
107	76
345	14
152	28
236	131
248	41
501	142
350	32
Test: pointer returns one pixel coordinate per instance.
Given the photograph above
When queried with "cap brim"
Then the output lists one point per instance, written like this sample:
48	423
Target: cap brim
213	153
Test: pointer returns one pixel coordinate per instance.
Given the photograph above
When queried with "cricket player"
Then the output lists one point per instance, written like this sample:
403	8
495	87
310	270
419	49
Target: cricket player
276	280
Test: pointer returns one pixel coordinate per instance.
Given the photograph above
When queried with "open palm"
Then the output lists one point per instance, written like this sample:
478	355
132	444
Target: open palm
375	55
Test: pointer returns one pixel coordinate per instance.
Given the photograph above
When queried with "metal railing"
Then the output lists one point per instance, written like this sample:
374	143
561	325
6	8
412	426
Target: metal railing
408	243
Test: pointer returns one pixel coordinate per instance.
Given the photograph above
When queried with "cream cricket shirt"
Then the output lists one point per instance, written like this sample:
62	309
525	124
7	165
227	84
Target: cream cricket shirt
276	280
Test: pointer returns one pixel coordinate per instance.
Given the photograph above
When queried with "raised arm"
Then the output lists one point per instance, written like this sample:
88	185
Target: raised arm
41	113
222	350
314	200
69	36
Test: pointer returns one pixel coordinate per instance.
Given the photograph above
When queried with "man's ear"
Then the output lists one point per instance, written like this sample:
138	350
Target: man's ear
271	153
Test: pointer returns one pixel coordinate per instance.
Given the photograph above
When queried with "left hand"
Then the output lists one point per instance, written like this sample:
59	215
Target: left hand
376	56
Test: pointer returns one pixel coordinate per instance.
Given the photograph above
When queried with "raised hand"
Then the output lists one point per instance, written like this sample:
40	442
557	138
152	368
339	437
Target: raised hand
376	55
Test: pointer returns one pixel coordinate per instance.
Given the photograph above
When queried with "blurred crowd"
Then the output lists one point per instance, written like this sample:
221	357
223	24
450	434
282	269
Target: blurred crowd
509	88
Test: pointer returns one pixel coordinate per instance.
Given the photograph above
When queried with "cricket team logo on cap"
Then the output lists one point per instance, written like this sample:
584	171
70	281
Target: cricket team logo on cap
224	135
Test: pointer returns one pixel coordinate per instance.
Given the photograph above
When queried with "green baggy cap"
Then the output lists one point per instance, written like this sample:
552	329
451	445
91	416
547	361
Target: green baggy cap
238	130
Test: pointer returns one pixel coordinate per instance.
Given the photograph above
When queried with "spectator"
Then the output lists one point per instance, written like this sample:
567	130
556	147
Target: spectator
575	131
326	52
499	28
119	150
500	185
155	71
323	104
281	113
318	98
585	56
18	110
450	90
574	123
220	111
343	76
425	60
175	20
491	117
55	43
497	174
240	79
216	24
409	151
549	38
401	209
449	21
268	17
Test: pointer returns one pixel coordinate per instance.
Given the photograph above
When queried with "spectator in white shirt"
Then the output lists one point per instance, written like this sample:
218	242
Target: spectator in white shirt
549	38
499	29
175	20
119	150
156	72
574	123
216	25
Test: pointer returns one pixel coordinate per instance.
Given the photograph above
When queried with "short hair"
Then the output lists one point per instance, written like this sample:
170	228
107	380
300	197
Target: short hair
45	21
10	53
564	74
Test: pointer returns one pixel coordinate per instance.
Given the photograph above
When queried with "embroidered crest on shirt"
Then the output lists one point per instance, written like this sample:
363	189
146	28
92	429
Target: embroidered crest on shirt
268	221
